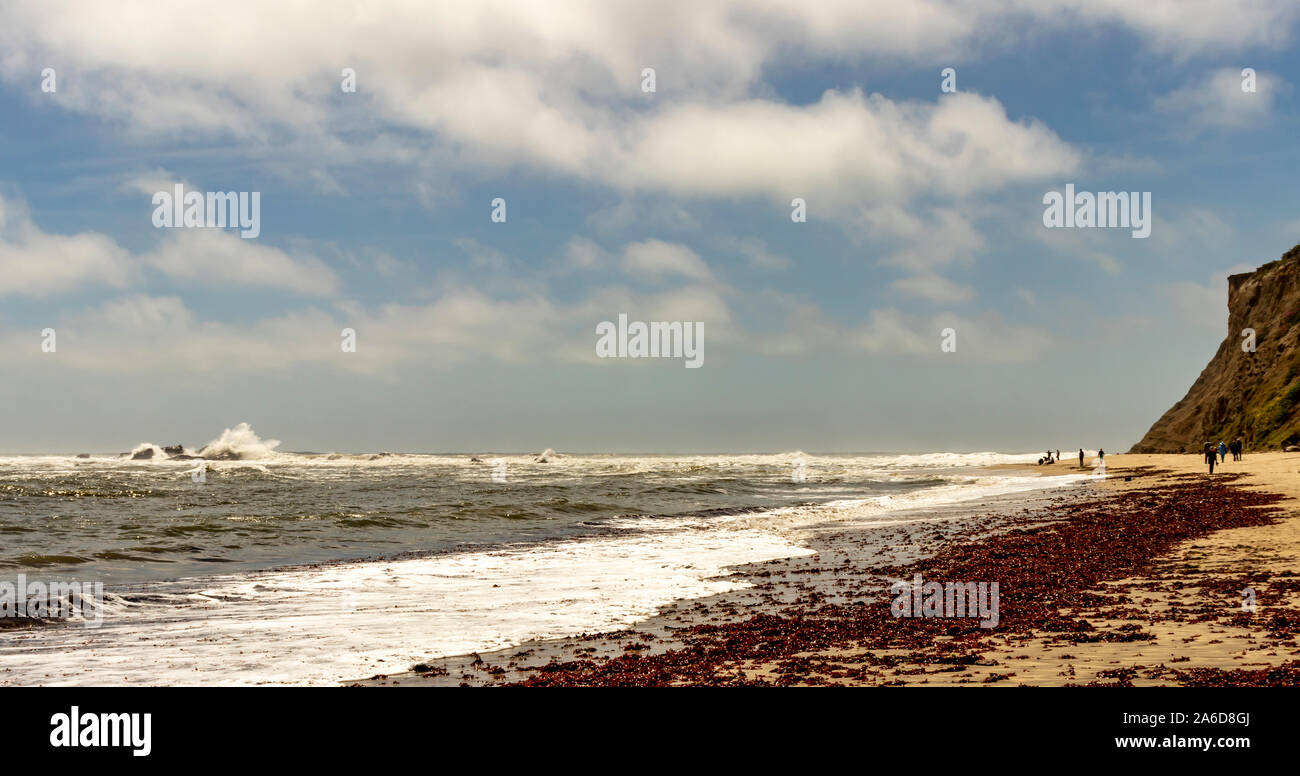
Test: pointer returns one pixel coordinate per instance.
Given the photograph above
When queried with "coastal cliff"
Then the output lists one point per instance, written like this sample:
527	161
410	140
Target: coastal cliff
1255	396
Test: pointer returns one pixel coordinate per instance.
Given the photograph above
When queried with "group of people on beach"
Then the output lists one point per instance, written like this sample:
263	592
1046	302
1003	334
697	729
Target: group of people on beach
1235	447
1049	458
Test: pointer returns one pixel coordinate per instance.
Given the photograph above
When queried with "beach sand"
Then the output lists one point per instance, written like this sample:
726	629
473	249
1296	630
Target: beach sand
1135	579
1234	640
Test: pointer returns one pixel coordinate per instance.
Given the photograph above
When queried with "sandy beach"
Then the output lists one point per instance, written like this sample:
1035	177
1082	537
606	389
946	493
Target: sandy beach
1192	606
1143	578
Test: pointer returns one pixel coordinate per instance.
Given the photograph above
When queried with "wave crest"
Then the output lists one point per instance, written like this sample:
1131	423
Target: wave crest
240	443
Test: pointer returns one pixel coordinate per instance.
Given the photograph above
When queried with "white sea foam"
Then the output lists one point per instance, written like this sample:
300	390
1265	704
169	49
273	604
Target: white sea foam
348	621
240	442
157	452
322	625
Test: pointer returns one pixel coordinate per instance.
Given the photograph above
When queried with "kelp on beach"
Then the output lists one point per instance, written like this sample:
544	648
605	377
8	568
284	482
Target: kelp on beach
1051	578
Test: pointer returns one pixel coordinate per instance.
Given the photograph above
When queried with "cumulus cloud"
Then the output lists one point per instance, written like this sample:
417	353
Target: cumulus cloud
656	259
554	88
211	257
39	264
847	148
923	240
889	332
146	334
1217	101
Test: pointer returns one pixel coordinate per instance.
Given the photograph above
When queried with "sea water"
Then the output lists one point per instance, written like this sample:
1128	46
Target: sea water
314	568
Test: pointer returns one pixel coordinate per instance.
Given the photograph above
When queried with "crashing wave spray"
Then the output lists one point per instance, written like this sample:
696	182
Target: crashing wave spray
239	443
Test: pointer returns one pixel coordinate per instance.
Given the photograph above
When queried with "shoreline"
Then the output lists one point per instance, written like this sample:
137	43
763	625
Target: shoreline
1120	582
774	587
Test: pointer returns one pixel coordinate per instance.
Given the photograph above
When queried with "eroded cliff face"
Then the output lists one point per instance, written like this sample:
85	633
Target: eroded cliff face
1255	396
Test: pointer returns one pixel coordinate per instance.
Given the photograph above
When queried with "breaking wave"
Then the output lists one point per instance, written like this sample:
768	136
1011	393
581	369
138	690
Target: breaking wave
240	443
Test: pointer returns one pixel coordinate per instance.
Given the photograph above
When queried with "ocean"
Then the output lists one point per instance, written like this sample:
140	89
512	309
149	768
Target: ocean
274	567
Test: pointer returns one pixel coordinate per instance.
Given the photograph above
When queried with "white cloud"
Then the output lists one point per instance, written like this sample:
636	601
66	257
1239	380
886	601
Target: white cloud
211	257
1190	232
933	288
941	238
845	149
35	263
143	334
154	181
1217	101
582	253
756	252
1180	28
1089	245
985	338
554	87
38	264
656	259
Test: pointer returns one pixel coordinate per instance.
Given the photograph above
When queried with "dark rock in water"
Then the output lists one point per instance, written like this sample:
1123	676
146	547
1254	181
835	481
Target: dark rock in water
174	450
1292	449
420	668
226	456
475	459
83	455
143	455
185	457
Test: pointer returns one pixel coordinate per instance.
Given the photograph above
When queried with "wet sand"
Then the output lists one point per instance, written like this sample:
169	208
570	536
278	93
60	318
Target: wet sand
1136	579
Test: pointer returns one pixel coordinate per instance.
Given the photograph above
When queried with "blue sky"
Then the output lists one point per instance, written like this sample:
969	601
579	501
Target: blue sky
924	212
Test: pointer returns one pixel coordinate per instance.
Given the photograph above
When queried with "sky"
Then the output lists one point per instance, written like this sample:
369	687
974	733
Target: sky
924	206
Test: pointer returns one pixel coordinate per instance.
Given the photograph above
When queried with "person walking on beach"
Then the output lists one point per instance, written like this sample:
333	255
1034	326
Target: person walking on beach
1223	451
1101	454
1080	457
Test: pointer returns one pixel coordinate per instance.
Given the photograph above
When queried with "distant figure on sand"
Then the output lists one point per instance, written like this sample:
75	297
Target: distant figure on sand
1223	451
1235	448
1080	457
1101	454
1209	456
